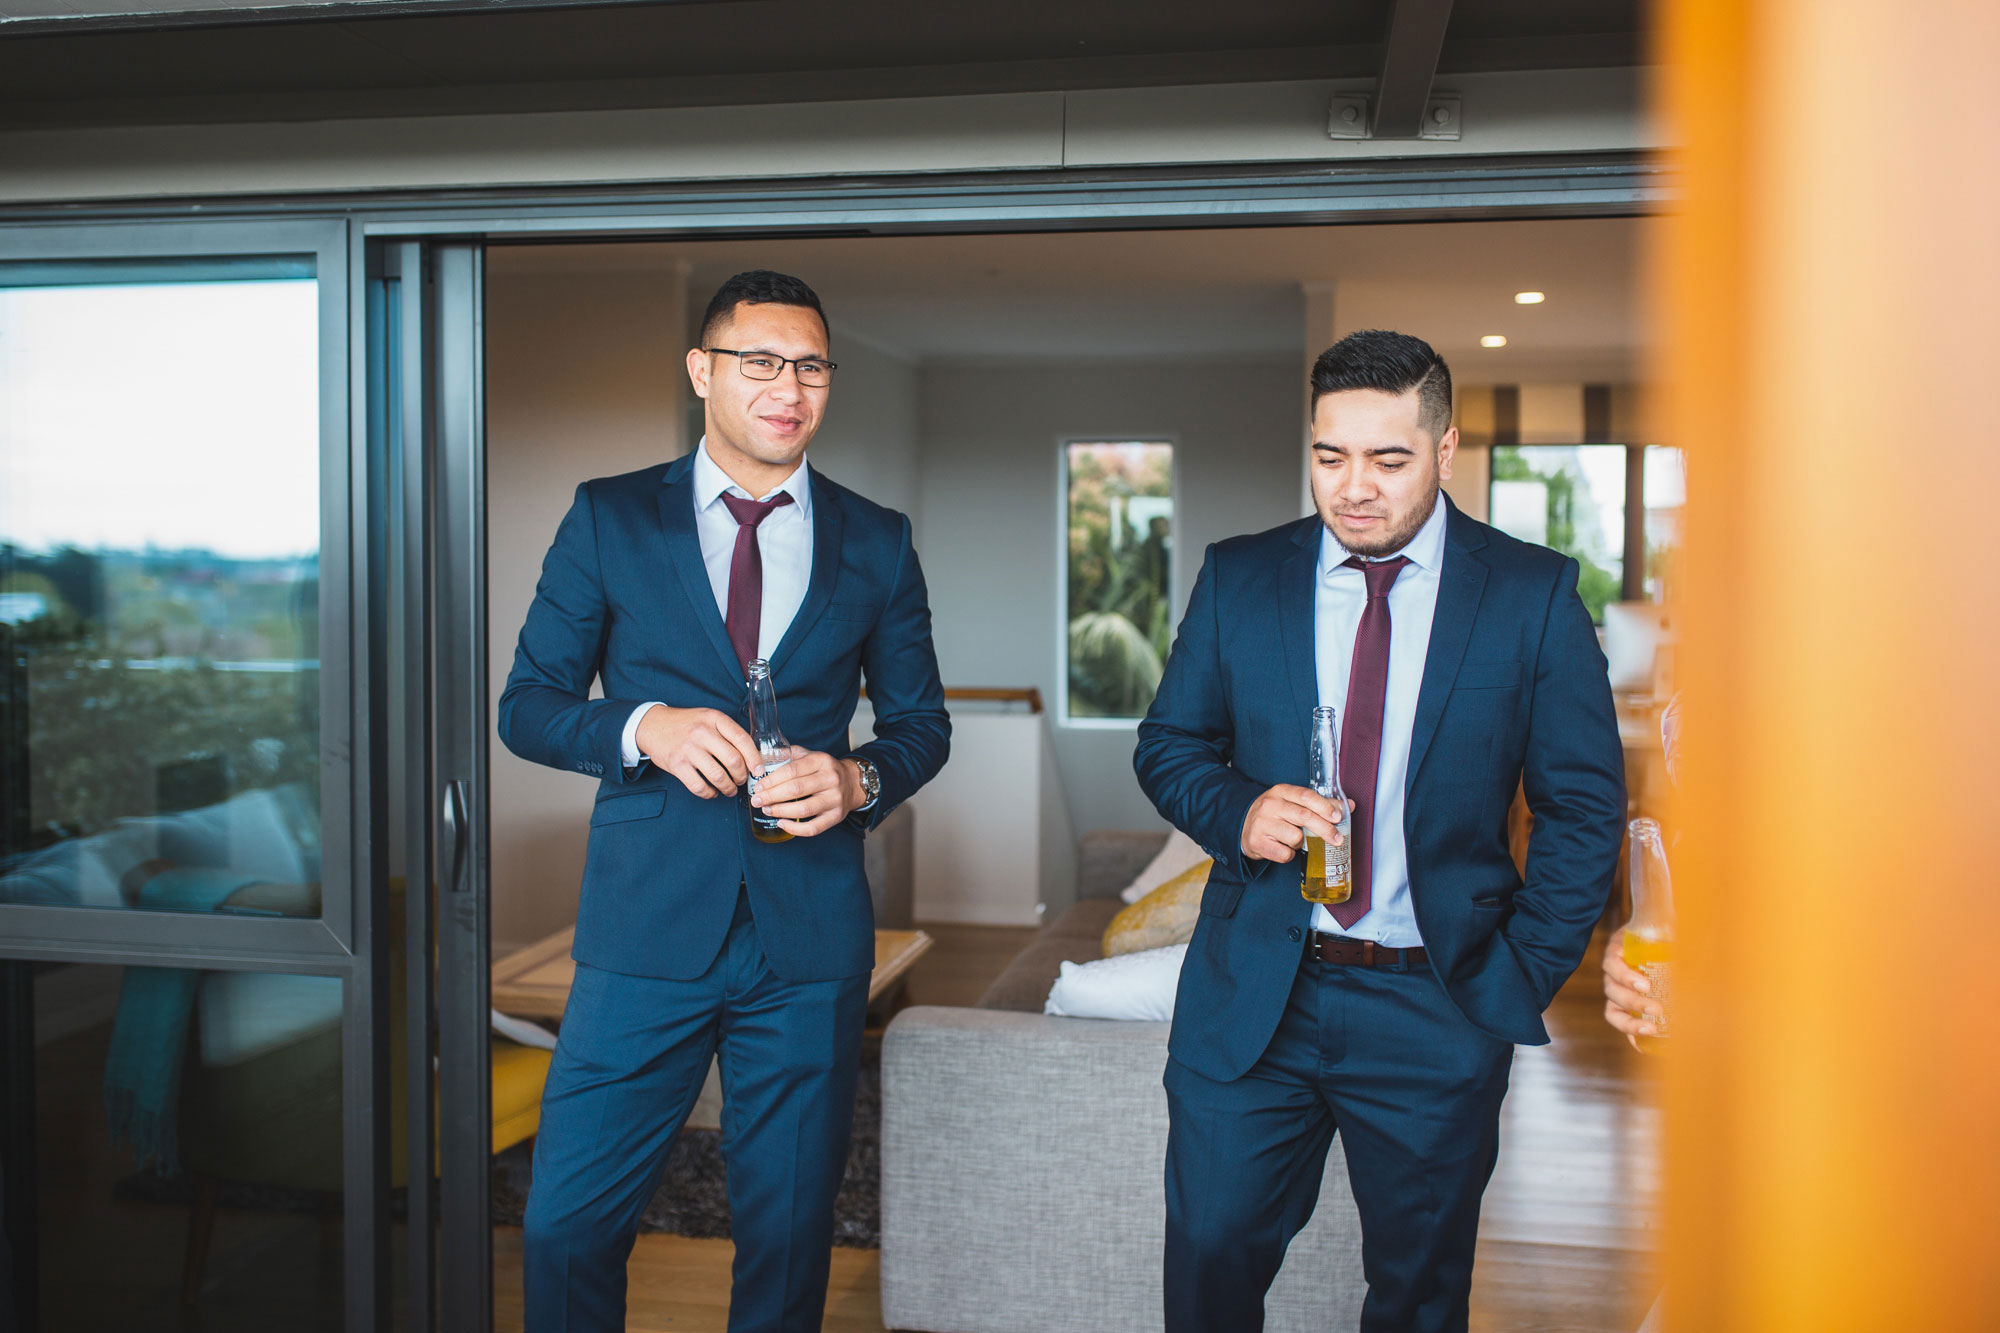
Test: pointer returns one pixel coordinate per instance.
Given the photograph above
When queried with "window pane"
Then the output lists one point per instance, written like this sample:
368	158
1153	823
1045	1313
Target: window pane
1119	608
234	1079
159	590
1571	498
1666	497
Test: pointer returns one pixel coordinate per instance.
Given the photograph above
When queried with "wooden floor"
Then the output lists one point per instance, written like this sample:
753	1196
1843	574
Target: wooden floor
1564	1240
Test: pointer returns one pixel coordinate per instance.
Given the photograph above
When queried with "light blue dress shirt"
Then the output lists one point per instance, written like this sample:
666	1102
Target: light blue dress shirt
1340	596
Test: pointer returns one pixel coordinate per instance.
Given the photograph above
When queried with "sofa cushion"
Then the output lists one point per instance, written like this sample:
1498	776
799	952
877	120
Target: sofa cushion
1178	855
1107	860
1133	987
1074	937
1163	918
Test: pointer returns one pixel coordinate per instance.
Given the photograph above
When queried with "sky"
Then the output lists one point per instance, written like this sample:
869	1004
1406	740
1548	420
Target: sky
169	415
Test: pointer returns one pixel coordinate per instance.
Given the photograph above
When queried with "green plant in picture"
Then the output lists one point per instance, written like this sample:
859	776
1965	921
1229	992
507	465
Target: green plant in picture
1596	585
1113	668
1119	577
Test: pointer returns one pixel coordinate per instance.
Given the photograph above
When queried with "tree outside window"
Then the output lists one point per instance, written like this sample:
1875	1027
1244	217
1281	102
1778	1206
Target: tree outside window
1118	604
1570	498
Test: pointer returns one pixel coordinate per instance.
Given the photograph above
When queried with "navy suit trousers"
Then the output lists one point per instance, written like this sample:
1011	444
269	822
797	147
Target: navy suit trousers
629	1063
1382	1056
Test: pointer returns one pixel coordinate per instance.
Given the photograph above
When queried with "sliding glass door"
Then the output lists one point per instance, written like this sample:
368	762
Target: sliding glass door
191	901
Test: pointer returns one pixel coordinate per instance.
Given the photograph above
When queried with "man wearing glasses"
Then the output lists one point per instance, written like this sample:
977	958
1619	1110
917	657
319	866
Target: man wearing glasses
693	938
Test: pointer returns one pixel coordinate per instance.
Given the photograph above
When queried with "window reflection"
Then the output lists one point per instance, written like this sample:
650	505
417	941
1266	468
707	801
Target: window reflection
188	1149
159	589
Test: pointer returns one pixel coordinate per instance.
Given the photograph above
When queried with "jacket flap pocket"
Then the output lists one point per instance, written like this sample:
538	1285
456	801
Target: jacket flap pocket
1220	896
637	805
1487	676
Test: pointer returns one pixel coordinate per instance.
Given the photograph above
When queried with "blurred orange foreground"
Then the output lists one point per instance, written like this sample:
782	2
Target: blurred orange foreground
1831	284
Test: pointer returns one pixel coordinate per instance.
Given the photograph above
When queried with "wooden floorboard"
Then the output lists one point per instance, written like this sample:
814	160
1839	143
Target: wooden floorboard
1565	1237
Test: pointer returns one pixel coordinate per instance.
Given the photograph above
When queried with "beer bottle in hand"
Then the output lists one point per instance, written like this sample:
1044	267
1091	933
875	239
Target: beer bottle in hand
1327	879
1649	935
771	744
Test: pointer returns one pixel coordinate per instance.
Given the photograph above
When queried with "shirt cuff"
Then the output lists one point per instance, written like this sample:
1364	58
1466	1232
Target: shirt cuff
628	742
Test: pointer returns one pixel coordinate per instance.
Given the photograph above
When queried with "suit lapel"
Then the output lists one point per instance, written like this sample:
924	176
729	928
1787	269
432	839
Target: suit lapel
827	522
1297	608
1460	585
684	548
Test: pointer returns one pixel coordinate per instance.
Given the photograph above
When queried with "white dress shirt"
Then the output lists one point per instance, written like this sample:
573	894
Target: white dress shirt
1340	596
785	540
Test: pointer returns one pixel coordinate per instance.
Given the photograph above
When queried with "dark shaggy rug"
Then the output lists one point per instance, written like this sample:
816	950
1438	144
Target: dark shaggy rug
693	1196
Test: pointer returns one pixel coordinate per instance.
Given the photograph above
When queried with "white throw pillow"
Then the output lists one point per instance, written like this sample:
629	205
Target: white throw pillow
1137	986
1179	856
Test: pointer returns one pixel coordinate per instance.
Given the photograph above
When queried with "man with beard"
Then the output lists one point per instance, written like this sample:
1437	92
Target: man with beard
695	939
1463	666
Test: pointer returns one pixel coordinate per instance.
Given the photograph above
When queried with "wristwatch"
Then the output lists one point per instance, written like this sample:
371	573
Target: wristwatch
871	783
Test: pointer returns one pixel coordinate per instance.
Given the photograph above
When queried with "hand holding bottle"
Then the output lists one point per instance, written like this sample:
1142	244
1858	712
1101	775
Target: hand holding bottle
1280	820
708	750
1628	1005
811	793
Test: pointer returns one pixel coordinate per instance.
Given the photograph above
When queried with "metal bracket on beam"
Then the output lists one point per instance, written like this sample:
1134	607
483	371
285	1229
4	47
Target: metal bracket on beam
1349	117
1442	119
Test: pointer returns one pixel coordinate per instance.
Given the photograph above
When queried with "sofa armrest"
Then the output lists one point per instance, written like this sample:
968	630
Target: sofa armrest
1023	1182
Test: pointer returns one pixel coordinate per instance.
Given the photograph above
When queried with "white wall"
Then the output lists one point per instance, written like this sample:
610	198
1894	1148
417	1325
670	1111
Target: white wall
583	379
868	441
989	515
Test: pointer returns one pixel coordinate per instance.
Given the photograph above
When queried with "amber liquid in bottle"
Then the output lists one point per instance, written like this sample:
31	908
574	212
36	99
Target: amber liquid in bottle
1329	877
1649	935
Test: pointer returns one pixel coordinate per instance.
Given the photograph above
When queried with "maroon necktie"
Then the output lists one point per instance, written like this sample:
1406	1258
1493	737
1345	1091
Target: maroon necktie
1361	727
746	574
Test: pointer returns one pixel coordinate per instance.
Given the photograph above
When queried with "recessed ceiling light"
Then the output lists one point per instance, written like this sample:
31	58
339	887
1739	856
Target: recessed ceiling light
1493	340
1529	298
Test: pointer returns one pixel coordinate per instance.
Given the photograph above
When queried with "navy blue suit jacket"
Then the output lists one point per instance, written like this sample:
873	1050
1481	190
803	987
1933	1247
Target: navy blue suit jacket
624	598
1514	692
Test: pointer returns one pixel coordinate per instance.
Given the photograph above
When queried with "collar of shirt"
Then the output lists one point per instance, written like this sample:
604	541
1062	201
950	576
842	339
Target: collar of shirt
710	482
1425	550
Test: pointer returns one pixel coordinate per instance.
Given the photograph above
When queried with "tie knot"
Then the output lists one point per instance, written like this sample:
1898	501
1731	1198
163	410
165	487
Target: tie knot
1381	574
750	513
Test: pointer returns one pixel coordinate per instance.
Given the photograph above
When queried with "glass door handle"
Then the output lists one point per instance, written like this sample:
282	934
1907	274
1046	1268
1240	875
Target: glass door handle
456	831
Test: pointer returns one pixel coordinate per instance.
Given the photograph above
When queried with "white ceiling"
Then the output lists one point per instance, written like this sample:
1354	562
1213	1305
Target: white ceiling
1198	293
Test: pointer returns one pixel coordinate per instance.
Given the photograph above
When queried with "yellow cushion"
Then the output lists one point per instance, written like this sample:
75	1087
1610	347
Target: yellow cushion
518	1075
1163	917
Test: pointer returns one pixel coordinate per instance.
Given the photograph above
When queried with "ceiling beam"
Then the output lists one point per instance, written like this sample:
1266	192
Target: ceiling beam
1409	63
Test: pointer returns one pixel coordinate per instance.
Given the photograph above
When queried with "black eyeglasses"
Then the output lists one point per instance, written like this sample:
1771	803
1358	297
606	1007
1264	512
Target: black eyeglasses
813	373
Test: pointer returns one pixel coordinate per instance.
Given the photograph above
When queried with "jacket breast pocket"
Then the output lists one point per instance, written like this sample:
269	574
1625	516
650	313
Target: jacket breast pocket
1488	676
851	611
619	809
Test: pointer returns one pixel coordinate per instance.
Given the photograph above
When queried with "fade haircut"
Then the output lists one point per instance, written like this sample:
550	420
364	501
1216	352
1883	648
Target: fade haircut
760	286
1386	362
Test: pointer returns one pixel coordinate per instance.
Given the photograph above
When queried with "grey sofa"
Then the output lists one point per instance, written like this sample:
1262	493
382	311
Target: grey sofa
1022	1158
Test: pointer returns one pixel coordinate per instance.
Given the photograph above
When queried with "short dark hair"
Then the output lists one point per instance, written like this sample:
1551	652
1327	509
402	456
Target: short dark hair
760	286
1388	363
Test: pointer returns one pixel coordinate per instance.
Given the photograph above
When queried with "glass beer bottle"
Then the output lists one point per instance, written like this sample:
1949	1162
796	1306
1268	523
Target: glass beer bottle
1327	877
1649	935
771	744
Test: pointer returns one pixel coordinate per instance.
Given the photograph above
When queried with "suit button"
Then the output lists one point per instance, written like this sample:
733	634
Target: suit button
1295	934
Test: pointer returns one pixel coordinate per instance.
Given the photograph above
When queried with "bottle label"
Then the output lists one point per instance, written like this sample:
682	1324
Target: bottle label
769	769
1660	986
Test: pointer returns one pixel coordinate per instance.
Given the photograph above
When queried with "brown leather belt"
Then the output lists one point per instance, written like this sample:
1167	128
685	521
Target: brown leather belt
1359	953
